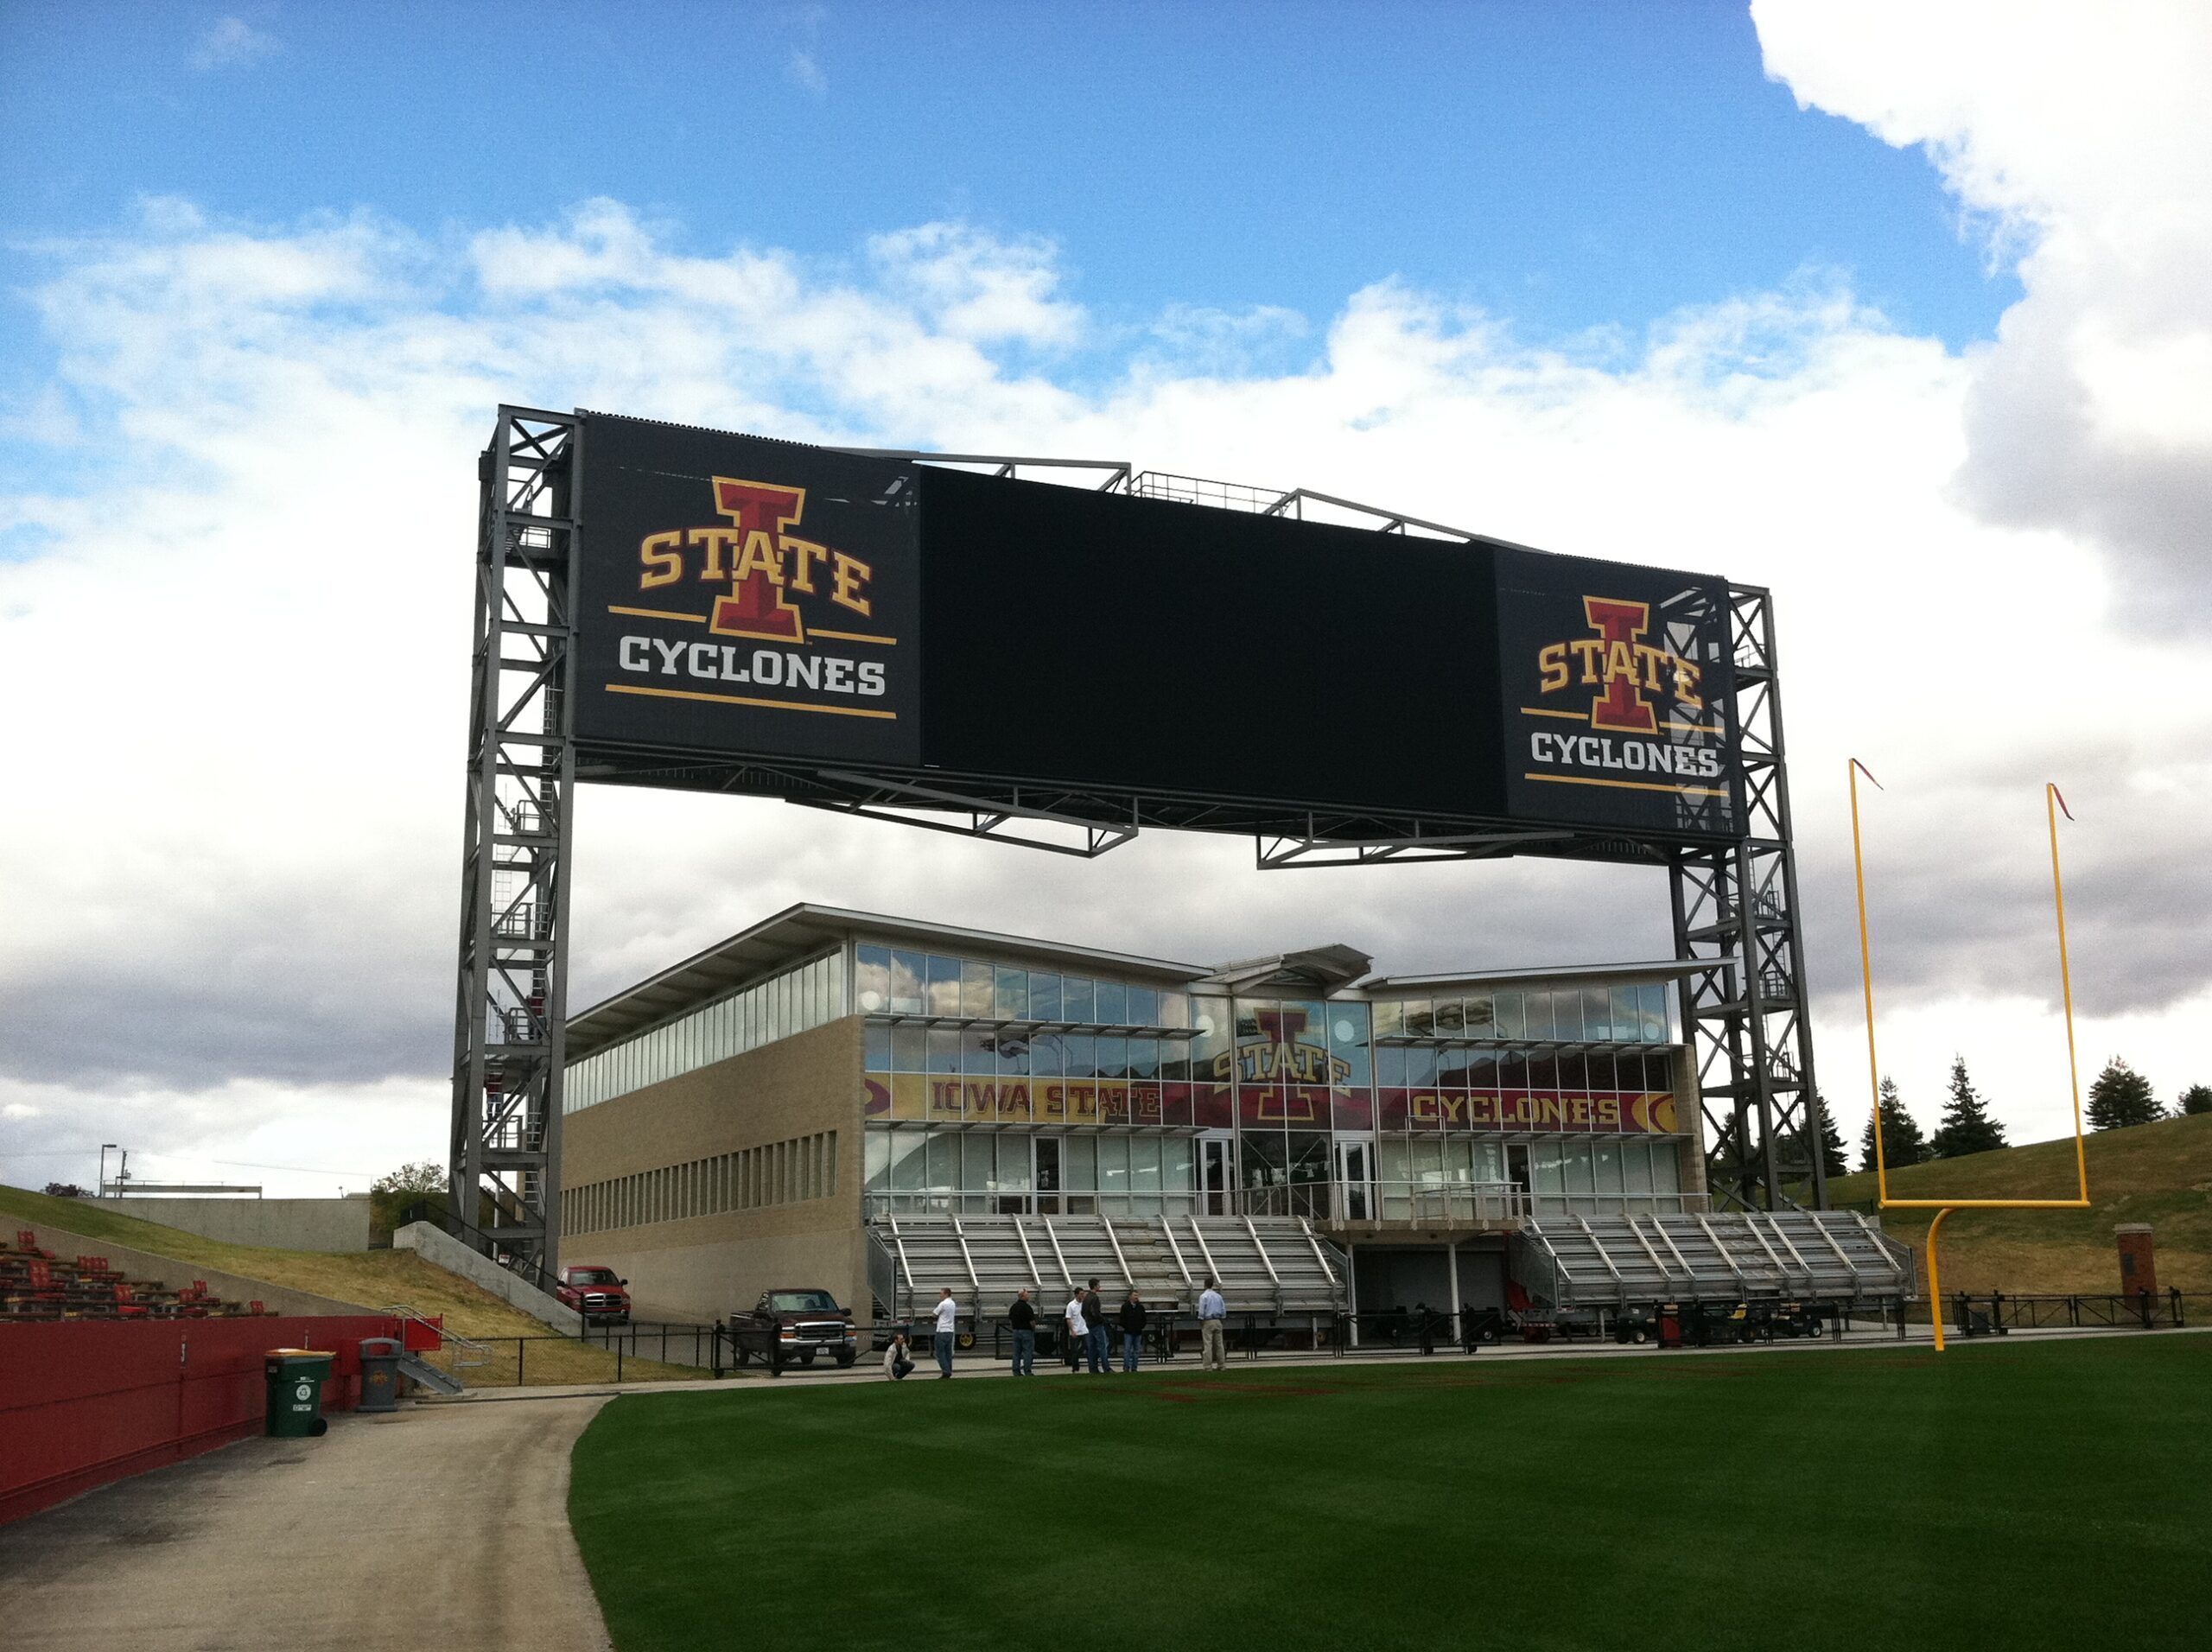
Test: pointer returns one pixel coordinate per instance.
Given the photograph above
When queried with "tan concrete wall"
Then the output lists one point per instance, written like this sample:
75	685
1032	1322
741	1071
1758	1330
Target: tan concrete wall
1687	1109
699	1268
339	1224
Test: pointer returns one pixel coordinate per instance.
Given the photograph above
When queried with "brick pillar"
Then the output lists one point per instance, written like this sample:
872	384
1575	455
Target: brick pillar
2138	1266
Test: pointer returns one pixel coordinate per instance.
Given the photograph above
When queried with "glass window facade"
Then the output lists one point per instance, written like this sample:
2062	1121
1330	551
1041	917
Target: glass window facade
991	1086
803	997
1414	1097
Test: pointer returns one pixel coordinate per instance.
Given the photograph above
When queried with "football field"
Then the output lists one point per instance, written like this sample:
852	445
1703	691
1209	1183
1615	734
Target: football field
2015	1494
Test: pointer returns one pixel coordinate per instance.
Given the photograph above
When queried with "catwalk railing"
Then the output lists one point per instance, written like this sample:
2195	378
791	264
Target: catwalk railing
1413	1203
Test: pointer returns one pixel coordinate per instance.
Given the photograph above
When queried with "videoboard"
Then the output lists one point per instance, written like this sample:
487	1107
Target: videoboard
746	600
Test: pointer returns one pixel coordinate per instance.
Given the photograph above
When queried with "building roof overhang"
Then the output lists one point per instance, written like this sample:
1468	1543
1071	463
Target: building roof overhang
801	932
1657	970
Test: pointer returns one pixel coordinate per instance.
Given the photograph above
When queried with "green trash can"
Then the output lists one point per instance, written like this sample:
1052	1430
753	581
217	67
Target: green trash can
296	1379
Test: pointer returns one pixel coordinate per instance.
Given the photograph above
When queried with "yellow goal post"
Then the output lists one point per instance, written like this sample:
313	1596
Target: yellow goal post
2054	804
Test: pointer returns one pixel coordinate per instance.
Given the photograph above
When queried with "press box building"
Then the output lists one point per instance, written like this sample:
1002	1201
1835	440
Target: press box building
882	1105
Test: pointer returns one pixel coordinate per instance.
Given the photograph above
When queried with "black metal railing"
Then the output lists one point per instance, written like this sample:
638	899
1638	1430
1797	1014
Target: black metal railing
1995	1312
671	1344
485	1245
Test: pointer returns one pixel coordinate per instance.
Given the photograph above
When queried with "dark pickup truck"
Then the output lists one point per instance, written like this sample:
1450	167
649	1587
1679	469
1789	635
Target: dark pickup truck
785	1326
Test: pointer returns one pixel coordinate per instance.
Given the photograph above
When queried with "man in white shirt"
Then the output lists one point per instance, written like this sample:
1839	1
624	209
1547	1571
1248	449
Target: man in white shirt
948	1312
1211	1311
1075	1330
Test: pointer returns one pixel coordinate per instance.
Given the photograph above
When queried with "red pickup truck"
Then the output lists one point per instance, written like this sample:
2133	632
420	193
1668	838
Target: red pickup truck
595	1292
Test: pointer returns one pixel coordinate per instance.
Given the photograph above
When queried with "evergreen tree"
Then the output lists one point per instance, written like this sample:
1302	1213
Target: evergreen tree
2197	1098
1902	1141
2121	1096
1967	1126
1834	1160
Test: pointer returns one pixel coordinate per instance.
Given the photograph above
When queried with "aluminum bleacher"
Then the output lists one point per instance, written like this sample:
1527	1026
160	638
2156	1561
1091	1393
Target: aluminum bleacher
1265	1264
1838	1255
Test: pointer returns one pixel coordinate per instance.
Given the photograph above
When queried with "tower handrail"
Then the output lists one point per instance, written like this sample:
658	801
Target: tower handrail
1112	1238
1783	1234
1067	1273
1213	1267
968	1260
1307	1228
1266	1260
1168	1227
1027	1255
1726	1255
1689	1274
1842	1254
1636	1227
1752	1225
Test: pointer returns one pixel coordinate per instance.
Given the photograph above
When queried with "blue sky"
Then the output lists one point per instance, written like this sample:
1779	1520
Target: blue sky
1564	167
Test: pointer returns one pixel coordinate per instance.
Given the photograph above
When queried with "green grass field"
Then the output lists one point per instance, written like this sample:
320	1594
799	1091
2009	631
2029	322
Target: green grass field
2008	1494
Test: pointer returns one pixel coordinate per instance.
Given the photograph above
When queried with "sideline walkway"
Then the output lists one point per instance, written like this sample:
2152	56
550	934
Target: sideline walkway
968	1365
438	1526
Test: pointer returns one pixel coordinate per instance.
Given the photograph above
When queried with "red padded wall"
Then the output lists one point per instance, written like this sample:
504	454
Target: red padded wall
85	1401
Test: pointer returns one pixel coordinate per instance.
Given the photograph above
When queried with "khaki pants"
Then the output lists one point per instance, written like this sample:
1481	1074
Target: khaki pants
1211	1357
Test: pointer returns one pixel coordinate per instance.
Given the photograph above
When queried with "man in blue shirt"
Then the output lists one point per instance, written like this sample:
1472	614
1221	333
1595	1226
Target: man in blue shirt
1211	1311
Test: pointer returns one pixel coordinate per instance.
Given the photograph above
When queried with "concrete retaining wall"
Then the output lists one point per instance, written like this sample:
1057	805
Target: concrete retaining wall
175	1276
340	1224
435	1245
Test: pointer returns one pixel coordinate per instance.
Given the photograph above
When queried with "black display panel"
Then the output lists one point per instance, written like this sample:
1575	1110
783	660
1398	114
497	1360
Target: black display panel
1116	641
738	595
743	601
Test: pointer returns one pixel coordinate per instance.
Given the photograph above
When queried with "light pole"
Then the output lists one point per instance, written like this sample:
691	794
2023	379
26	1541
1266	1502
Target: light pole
105	1149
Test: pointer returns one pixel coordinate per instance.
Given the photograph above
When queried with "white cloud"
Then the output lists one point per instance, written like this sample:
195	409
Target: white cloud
2080	139
806	74
232	42
243	649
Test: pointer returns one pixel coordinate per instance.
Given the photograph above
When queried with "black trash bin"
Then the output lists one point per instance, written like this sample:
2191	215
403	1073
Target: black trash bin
380	1358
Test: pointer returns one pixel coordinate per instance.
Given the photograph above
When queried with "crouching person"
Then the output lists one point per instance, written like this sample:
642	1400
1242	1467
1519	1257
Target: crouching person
897	1359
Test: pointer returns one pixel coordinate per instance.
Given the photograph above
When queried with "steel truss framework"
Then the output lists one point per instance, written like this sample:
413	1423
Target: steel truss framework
511	1007
1735	907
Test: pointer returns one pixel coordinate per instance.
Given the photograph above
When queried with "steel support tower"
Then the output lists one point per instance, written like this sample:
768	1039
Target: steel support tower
510	991
1746	1014
1735	908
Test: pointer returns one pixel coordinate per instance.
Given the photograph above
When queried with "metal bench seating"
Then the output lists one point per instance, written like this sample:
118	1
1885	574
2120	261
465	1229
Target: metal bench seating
1268	1265
1604	1261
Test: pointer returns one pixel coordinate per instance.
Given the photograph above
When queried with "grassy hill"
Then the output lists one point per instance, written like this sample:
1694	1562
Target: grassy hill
2159	1173
376	1279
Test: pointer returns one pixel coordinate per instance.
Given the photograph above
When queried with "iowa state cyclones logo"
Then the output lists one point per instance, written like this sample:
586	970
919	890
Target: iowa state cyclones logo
766	564
748	597
1624	667
1622	685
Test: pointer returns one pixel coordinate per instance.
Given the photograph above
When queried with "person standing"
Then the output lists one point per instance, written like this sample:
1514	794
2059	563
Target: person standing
1132	1331
1077	1334
1022	1316
1211	1311
1094	1341
948	1316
